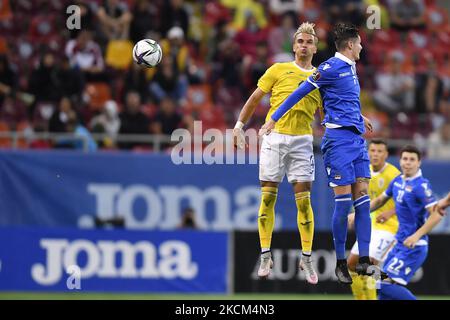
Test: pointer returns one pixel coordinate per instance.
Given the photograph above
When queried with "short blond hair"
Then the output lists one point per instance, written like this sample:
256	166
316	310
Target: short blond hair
308	28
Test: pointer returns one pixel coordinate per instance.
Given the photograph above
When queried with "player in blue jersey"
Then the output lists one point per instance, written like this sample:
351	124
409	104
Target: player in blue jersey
414	203
344	150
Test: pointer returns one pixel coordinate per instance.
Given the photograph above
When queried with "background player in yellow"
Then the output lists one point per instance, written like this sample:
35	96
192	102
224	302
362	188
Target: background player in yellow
384	221
288	150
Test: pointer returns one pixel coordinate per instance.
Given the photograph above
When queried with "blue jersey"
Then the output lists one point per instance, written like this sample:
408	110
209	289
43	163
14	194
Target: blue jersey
412	197
338	84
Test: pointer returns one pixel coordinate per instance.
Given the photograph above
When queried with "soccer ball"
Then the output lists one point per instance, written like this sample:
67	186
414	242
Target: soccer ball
147	52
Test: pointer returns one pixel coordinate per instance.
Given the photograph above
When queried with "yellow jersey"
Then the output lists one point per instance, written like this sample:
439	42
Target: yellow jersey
378	184
282	79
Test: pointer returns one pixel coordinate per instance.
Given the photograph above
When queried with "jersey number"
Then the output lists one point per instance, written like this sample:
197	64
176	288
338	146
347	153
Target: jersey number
400	195
398	267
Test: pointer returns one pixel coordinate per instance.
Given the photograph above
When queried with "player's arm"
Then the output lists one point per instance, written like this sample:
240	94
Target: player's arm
305	88
442	204
378	202
434	218
385	216
245	114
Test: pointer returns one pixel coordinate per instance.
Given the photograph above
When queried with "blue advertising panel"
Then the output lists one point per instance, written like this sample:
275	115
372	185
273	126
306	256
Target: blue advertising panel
69	259
67	188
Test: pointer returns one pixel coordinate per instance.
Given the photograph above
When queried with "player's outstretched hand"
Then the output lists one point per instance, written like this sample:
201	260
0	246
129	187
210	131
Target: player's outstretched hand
383	217
411	241
267	127
239	138
368	124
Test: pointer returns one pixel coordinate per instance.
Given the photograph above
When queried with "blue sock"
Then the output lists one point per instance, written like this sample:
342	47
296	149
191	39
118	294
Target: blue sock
342	205
390	291
363	224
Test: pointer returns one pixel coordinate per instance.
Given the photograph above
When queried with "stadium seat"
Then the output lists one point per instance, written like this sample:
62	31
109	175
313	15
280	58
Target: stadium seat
119	54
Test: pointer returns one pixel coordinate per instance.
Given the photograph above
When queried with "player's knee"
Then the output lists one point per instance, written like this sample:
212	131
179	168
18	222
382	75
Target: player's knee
351	262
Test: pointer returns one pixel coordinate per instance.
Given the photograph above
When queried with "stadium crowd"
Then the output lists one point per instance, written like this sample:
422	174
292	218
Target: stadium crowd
54	78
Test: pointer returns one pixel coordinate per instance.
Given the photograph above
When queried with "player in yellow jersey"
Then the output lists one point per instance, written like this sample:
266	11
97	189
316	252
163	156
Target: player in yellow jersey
384	221
288	150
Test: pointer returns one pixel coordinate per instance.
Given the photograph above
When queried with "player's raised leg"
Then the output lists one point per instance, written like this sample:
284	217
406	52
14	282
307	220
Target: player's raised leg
342	204
305	222
363	224
266	222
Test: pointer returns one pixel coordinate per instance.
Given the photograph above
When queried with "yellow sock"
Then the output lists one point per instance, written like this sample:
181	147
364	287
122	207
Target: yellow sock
305	220
358	286
370	288
266	217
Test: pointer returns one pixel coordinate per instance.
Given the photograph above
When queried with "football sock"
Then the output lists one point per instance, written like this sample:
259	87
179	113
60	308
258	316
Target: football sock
363	224
305	220
342	205
358	286
370	289
266	216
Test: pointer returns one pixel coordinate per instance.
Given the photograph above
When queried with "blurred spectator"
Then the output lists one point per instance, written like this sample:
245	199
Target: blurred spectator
395	91
167	119
174	14
43	23
44	80
439	143
257	66
429	89
136	80
87	17
83	139
280	37
352	11
8	78
168	82
12	111
248	37
145	16
132	119
280	7
71	80
407	14
115	19
188	219
175	47
59	118
107	122
243	9
86	55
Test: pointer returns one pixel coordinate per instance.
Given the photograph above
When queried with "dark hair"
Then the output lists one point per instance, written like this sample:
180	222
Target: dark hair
379	141
342	33
411	149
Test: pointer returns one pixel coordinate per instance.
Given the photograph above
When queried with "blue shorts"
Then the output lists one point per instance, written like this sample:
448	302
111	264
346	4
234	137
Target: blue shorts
402	262
345	156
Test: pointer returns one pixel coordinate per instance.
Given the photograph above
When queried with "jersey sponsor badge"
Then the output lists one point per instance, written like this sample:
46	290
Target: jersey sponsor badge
326	66
380	183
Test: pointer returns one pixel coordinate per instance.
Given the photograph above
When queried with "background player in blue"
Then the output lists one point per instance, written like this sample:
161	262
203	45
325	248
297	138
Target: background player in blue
414	203
344	150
